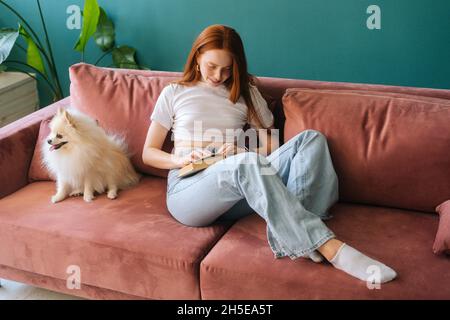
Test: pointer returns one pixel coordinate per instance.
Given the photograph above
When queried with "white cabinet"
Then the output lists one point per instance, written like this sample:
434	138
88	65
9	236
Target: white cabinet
18	96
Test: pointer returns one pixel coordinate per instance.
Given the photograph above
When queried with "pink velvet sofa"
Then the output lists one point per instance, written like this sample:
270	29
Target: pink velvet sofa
388	145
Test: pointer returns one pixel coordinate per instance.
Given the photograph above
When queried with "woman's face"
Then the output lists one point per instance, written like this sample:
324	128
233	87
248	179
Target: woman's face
215	66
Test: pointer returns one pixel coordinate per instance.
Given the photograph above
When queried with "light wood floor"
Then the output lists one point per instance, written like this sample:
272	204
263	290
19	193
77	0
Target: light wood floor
11	290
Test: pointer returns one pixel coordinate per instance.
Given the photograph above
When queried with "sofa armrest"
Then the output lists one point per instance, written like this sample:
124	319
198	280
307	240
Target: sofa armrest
17	142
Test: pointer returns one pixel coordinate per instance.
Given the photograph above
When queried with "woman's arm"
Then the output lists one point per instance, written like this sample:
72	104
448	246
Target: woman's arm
267	142
153	155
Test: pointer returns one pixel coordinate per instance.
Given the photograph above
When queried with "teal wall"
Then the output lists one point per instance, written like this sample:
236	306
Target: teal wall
303	39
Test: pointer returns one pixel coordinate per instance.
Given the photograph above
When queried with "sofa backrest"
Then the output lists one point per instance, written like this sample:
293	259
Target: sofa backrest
122	101
358	186
390	149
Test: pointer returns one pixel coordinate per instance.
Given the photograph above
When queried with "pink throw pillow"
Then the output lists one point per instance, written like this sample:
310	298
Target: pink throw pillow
442	240
37	171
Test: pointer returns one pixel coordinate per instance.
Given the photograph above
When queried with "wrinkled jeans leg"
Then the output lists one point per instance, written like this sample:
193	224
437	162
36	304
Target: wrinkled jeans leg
198	200
304	165
216	189
240	210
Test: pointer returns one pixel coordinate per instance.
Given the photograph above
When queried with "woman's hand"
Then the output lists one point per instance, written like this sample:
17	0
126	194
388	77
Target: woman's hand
228	149
192	156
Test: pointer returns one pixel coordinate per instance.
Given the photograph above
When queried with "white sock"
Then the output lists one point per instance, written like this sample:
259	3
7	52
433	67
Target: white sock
355	263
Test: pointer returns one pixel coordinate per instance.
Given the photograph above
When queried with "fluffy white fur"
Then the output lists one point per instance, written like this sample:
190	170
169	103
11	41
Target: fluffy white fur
84	159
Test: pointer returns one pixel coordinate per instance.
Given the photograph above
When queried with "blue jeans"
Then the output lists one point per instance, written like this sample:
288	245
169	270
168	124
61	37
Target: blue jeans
292	189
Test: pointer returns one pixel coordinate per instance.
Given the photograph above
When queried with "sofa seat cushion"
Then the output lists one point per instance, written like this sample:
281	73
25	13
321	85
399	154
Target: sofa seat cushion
130	245
241	265
58	285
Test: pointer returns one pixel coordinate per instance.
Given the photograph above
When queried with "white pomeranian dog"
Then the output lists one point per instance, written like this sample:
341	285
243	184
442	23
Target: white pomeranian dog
85	159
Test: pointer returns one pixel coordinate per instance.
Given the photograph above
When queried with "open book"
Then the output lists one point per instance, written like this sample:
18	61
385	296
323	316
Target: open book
199	165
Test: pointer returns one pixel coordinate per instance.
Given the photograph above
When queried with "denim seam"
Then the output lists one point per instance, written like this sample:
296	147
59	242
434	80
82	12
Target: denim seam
279	254
296	254
300	253
279	156
302	177
283	151
176	182
302	160
206	175
194	182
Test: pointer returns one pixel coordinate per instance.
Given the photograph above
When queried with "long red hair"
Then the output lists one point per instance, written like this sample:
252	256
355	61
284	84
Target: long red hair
226	38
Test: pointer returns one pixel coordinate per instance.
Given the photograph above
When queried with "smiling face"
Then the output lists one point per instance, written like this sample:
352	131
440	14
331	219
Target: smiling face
216	66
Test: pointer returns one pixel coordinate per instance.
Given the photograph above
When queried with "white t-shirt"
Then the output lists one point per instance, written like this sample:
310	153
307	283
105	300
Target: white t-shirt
204	113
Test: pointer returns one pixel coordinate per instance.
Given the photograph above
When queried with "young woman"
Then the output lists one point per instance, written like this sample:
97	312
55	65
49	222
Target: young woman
291	187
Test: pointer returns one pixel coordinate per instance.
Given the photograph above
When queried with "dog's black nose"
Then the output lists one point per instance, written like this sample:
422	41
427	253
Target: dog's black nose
49	141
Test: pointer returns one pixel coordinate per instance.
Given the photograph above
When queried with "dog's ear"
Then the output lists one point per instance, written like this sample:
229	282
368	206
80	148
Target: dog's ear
68	118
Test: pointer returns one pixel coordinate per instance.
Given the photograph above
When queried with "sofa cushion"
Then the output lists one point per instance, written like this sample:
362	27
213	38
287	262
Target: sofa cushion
58	285
242	266
442	240
130	245
388	149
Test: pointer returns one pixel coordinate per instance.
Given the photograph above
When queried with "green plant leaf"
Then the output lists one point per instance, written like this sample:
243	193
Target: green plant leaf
91	13
34	57
123	57
8	38
104	36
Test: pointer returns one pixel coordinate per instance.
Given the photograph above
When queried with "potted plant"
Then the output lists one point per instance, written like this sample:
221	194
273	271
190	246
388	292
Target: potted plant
39	57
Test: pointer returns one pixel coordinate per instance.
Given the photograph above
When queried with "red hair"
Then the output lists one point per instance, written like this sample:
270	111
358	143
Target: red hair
225	38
